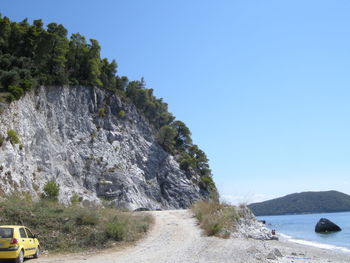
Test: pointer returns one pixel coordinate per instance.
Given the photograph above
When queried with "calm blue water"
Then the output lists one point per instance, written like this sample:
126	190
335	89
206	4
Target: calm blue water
302	228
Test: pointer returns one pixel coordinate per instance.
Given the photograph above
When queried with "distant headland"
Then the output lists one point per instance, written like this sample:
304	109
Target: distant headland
303	203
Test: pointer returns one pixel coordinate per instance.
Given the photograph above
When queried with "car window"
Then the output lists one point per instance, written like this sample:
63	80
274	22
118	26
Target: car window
29	233
22	232
6	232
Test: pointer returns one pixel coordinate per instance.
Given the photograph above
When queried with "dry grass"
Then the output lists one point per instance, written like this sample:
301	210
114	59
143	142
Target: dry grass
215	218
74	228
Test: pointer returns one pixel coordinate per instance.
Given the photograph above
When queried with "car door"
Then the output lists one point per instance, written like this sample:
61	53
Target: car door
24	240
32	242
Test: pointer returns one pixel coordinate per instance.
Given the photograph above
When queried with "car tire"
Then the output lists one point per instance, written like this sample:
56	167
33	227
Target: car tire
37	252
20	257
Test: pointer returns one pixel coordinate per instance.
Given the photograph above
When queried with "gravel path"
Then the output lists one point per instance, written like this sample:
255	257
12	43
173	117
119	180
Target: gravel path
176	238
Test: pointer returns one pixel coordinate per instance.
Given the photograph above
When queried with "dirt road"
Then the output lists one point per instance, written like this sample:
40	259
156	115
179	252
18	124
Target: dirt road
176	238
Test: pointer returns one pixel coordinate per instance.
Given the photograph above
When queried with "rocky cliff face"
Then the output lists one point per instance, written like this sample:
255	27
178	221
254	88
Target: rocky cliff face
247	226
78	136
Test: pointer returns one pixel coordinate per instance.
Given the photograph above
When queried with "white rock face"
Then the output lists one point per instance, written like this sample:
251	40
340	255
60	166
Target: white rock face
249	227
64	137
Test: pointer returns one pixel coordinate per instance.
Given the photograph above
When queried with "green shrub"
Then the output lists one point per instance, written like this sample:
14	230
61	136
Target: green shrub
26	84
185	164
9	98
86	218
93	135
51	190
101	112
8	78
207	182
17	92
116	230
75	199
13	137
121	114
214	228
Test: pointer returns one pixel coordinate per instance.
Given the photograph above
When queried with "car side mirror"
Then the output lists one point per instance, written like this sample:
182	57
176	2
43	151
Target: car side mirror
34	236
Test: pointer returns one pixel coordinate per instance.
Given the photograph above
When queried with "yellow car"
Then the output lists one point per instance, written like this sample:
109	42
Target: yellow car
18	242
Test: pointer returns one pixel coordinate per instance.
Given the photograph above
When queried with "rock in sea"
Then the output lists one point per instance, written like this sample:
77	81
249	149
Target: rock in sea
324	226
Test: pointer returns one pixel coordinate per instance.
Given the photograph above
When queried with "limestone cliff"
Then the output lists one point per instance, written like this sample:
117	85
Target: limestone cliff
78	136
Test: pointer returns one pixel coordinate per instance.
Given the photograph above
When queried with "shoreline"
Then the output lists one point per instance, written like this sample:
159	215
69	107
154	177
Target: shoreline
314	244
312	249
253	251
306	251
258	245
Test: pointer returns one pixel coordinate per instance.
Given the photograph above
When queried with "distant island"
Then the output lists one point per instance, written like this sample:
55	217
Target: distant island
303	203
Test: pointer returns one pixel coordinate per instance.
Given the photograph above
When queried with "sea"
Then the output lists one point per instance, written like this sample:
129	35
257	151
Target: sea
301	229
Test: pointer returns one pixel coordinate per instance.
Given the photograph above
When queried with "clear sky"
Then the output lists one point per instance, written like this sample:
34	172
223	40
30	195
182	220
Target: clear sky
263	85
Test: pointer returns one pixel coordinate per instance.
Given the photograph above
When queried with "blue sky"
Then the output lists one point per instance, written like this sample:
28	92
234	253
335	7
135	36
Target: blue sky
263	85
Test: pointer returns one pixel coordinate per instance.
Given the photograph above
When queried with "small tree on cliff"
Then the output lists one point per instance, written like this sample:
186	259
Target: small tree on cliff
51	190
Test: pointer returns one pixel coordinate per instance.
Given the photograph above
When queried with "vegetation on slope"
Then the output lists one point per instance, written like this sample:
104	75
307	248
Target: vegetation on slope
31	55
215	218
305	202
74	228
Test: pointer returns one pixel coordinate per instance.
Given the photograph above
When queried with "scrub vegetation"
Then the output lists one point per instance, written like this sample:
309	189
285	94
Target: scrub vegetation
215	218
51	190
13	137
73	228
33	55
